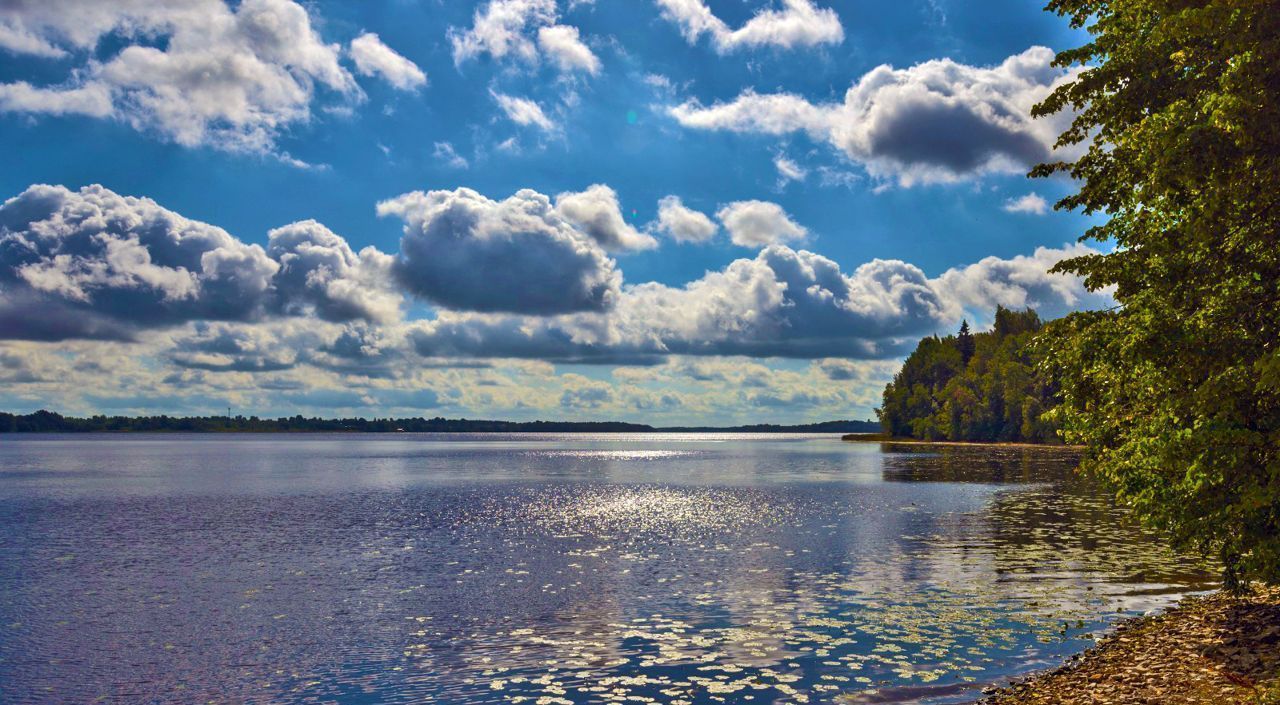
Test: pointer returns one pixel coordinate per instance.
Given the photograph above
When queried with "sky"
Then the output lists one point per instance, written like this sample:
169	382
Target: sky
665	211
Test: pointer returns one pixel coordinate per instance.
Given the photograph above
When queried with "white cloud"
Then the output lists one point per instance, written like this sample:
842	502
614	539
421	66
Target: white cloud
683	224
788	170
284	367
96	264
231	78
771	114
1032	203
373	58
783	303
501	29
523	30
523	111
321	275
313	320
17	40
597	213
93	100
938	121
759	223
467	252
584	393
311	324
562	44
101	265
1023	281
445	152
798	23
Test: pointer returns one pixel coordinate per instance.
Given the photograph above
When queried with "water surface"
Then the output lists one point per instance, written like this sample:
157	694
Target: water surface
551	569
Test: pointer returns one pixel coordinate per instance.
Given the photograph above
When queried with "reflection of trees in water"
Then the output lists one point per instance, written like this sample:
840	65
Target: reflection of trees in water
1059	523
1073	526
905	462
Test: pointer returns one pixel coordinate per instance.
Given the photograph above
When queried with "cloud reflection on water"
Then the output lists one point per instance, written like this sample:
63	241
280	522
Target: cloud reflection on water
551	571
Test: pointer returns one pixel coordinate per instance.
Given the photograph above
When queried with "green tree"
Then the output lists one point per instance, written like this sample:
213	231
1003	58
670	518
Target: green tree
964	341
1176	392
995	393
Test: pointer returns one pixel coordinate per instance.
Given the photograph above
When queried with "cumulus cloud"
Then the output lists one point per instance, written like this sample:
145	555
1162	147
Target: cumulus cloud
597	213
373	58
1032	204
842	370
228	77
683	224
782	303
220	347
353	348
584	393
565	339
759	223
797	23
937	121
1023	281
96	264
524	30
467	252
307	316
523	111
788	303
190	313
319	273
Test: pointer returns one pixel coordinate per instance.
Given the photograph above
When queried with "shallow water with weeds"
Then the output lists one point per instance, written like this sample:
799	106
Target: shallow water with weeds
547	569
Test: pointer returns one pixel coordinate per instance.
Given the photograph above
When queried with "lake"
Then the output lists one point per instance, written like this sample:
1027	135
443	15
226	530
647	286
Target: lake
551	568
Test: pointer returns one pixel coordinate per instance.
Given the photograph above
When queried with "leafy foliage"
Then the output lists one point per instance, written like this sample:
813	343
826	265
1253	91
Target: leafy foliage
967	387
1177	391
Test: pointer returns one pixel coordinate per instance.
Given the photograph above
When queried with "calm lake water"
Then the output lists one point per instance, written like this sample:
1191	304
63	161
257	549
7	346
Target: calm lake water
550	569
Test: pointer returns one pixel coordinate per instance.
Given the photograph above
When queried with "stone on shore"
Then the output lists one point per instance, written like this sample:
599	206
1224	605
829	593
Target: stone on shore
1216	649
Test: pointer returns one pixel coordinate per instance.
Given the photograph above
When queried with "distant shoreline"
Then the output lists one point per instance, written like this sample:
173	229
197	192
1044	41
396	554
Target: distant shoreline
51	422
357	432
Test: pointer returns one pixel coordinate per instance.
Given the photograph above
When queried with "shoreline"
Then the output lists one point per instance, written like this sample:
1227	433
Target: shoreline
877	438
1212	649
398	432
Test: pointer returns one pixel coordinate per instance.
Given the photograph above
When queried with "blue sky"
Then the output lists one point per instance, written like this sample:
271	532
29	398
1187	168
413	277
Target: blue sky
839	178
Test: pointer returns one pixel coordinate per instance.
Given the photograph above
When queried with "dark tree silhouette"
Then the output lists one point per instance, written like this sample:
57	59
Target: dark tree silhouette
964	341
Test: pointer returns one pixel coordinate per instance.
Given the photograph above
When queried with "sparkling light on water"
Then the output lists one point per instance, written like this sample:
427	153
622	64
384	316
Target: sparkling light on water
550	570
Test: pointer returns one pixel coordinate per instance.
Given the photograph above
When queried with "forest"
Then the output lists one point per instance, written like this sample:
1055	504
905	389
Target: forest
974	387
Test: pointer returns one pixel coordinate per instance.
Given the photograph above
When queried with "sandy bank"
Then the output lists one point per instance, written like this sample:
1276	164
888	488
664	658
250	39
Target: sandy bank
1215	649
